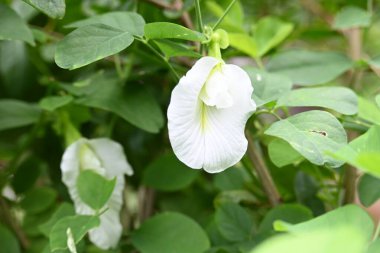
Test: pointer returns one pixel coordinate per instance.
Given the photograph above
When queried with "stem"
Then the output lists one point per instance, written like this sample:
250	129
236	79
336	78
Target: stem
9	220
256	157
259	63
224	14
265	111
354	37
118	67
377	232
370	6
159	55
199	15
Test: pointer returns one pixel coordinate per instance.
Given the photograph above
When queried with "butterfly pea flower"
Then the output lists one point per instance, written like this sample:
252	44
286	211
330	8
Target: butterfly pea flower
207	115
106	158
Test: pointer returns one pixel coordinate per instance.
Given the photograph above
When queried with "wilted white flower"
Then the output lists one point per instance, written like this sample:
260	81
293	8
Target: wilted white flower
207	115
106	158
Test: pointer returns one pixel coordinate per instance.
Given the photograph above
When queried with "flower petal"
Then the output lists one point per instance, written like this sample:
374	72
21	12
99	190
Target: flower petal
183	113
113	164
112	156
208	137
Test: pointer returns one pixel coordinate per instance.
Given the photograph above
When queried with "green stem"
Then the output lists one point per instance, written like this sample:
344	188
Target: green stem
159	55
224	14
259	63
118	67
370	6
265	111
199	15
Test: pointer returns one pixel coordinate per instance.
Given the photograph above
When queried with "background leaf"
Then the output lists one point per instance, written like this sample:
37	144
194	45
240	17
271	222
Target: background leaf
291	213
167	173
12	27
340	99
234	223
123	20
52	103
269	32
351	16
268	87
52	8
9	242
15	113
341	217
79	225
94	189
90	43
312	134
309	67
170	233
368	189
136	106
325	240
166	30
281	153
38	200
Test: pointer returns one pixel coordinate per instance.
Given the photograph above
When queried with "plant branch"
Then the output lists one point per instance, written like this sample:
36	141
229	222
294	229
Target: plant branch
159	55
199	15
354	37
10	221
256	157
224	14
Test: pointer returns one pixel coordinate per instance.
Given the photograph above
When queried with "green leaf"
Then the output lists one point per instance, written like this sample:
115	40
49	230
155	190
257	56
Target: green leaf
233	21
350	17
291	213
170	233
38	200
234	222
9	243
167	173
52	103
172	49
378	100
231	179
282	154
79	225
309	67
12	27
369	111
244	43
312	134
268	87
138	107
90	43
165	30
94	189
52	8
269	32
363	152
123	20
368	189
340	99
337	240
15	113
65	209
374	247
351	216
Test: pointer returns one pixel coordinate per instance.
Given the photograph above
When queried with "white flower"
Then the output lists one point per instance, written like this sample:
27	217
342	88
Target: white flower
106	158
207	115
